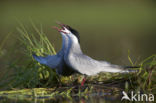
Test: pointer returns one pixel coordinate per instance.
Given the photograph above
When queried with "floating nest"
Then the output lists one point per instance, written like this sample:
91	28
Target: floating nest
101	85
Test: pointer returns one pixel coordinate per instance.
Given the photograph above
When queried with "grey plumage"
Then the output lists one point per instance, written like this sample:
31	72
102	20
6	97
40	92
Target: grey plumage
71	59
55	61
84	64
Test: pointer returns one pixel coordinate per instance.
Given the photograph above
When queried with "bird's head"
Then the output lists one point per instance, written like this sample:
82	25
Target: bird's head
67	30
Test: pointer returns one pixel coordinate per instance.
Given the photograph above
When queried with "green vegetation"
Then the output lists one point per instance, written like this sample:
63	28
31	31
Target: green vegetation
32	74
35	80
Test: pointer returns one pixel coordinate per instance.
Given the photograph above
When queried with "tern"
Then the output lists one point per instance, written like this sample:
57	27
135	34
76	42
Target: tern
83	64
57	61
70	59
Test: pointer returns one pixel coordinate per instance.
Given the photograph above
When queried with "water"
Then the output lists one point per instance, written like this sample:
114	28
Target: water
92	98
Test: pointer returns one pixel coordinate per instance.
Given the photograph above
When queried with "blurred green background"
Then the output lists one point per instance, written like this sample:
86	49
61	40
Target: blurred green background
108	29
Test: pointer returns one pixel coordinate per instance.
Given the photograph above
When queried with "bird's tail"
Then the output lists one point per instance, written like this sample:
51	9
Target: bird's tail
128	70
126	67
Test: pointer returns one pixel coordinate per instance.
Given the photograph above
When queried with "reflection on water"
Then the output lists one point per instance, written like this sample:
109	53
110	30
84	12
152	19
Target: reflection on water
92	98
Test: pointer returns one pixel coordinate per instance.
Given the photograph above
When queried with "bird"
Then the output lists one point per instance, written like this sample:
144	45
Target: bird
70	59
56	61
83	64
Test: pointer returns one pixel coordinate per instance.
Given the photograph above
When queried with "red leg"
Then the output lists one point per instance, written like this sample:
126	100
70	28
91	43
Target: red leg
83	81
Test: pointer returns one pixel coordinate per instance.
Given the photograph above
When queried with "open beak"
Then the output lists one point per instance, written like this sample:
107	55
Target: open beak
62	27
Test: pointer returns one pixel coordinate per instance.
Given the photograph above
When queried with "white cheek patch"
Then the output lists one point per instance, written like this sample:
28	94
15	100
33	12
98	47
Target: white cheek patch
66	30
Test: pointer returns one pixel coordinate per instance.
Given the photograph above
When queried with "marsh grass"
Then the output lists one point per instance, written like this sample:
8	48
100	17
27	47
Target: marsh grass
145	78
34	75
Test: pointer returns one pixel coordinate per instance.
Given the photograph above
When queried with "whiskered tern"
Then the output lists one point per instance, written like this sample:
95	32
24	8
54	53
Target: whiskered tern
71	59
57	61
82	63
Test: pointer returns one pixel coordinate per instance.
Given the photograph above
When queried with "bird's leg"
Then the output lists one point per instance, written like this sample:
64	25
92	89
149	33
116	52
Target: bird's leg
83	80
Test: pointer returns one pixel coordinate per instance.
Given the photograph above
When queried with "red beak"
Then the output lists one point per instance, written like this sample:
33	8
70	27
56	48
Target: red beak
62	27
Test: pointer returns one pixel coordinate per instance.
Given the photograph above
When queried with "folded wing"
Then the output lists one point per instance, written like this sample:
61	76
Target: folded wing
51	61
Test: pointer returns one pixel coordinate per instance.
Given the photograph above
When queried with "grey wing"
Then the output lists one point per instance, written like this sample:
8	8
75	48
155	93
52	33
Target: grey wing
86	65
51	61
83	64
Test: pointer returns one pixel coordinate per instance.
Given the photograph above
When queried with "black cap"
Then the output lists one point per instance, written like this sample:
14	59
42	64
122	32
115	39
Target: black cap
76	33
